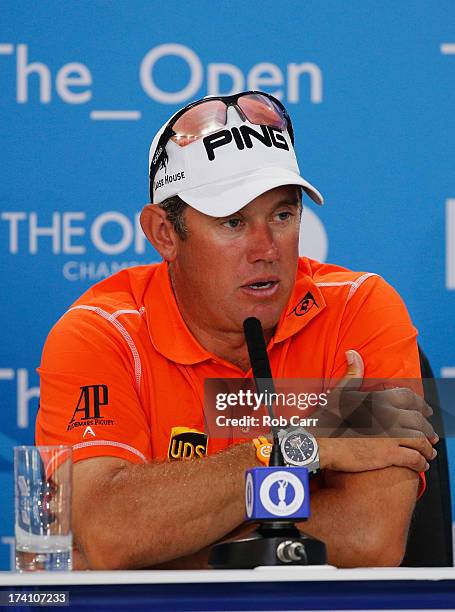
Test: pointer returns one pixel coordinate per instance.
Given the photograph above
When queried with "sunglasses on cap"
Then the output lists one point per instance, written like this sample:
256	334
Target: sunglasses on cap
209	115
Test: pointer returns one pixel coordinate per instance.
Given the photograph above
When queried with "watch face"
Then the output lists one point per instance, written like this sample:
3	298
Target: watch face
298	449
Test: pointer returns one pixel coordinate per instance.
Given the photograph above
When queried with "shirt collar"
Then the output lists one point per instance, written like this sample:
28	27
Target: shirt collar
171	337
306	303
168	331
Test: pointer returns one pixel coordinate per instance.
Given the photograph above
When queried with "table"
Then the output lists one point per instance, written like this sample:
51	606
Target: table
271	588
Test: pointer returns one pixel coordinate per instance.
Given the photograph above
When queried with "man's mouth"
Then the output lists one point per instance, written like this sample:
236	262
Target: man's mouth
261	285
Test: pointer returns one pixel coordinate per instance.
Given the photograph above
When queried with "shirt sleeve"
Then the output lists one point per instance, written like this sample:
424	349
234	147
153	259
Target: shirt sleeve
377	325
89	398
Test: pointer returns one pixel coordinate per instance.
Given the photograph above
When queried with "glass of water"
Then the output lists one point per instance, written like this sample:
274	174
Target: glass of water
42	478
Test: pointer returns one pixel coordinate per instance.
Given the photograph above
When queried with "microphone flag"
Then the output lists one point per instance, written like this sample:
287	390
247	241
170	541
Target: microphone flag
277	493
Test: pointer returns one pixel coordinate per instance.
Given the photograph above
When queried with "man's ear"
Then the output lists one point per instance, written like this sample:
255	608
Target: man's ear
159	231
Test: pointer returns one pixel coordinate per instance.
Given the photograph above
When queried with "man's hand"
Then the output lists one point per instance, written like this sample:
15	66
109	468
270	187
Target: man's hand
364	430
364	454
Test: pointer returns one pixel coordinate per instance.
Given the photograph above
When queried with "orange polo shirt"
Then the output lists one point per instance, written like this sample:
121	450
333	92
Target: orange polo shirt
122	375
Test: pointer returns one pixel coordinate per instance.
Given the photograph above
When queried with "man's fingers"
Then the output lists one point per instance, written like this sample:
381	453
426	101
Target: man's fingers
340	405
421	445
363	453
411	419
353	376
355	365
406	399
410	458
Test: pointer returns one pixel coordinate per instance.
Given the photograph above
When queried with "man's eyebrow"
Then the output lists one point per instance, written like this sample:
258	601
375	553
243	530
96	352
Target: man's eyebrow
287	202
238	212
284	202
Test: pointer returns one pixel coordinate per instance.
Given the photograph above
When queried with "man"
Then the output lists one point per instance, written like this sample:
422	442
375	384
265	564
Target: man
122	373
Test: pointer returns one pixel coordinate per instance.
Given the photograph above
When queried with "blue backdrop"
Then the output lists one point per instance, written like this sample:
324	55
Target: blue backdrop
371	90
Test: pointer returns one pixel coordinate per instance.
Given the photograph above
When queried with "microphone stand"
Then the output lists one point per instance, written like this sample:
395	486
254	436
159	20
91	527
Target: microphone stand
274	541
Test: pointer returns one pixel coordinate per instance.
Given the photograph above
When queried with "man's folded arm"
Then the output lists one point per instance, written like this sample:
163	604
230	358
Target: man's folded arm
364	517
129	516
144	515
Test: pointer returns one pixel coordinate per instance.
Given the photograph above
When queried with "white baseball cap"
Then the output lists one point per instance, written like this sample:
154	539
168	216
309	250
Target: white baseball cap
221	173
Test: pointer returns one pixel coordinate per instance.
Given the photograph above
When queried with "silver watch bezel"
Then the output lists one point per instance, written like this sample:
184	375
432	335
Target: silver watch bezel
313	462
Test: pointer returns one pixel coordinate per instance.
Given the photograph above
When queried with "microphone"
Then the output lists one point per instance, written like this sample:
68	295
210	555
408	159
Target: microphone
257	350
275	496
262	373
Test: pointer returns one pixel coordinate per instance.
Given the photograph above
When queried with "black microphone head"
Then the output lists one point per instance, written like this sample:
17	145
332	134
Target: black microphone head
262	373
257	349
252	327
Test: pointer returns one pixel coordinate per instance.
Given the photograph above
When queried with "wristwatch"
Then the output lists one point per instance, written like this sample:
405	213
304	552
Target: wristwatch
299	448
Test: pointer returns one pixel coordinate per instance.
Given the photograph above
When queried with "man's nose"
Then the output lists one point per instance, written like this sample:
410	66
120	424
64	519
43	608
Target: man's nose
261	244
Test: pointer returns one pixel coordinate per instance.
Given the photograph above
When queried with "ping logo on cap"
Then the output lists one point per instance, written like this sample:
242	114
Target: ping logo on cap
242	137
187	443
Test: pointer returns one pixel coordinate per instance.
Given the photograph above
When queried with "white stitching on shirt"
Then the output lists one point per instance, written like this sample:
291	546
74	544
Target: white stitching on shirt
354	284
117	313
358	282
131	449
335	284
125	334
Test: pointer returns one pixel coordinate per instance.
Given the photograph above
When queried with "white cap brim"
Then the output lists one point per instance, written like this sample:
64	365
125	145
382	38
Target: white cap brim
226	197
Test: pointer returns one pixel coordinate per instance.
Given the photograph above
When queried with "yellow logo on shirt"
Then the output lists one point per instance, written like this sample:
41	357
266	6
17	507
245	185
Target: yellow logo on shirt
186	443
